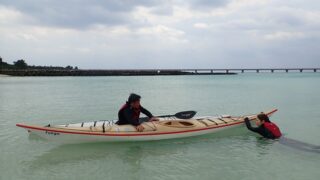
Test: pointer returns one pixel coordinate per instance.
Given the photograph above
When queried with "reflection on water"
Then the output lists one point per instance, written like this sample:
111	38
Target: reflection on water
264	145
34	137
112	157
299	145
128	152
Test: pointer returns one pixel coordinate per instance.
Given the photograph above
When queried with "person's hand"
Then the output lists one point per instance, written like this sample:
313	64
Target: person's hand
153	119
139	128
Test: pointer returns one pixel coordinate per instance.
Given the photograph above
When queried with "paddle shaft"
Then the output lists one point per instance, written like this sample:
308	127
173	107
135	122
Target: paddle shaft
180	115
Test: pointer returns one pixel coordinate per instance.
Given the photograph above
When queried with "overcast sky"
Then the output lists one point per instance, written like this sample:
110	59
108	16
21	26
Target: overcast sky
161	33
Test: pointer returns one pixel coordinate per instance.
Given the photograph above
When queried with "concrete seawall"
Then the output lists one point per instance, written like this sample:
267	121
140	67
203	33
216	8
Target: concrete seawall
37	72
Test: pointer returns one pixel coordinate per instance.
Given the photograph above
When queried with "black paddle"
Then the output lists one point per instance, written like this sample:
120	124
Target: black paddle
179	115
182	115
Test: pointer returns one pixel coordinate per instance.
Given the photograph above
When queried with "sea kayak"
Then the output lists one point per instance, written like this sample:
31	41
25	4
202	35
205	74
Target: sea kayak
165	128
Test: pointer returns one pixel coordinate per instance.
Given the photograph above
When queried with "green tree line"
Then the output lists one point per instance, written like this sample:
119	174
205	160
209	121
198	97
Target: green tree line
21	64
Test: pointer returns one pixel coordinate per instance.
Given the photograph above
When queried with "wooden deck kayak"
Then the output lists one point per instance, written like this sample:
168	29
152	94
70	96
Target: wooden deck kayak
166	128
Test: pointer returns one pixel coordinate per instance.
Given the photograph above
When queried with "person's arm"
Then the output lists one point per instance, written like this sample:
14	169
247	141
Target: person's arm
146	112
260	130
128	117
247	122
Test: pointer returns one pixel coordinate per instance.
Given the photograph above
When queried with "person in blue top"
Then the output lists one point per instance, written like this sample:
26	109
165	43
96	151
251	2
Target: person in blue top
129	113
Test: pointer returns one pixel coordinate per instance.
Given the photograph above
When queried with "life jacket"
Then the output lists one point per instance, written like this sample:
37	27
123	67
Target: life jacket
136	112
273	128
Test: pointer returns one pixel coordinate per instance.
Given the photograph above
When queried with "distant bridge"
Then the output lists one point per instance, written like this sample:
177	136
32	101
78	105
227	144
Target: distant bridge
208	71
257	70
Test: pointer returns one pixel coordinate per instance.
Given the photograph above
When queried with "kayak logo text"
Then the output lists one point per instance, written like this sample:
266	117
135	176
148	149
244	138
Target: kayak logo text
52	133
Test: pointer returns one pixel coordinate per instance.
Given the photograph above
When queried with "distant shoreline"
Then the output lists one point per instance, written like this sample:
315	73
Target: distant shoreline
143	72
43	72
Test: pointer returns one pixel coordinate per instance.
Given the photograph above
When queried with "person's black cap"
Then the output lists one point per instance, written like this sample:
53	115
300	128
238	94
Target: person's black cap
133	97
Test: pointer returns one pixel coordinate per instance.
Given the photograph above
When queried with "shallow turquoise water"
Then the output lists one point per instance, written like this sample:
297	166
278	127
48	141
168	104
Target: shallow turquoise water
232	154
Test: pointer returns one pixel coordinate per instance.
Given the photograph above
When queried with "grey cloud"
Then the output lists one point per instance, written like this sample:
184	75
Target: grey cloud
78	14
163	9
85	13
236	39
207	4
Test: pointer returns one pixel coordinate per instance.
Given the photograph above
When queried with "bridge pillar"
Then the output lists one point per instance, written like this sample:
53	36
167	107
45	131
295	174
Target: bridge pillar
301	70
272	70
242	70
211	71
287	70
227	71
315	70
258	70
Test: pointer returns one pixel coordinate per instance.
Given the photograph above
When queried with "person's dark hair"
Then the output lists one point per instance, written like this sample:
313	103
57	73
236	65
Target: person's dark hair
133	97
263	117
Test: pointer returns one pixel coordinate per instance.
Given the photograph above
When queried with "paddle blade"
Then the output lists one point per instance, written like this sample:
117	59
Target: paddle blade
185	114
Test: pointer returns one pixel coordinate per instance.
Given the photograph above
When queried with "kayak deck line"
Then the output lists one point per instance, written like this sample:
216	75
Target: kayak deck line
166	128
118	134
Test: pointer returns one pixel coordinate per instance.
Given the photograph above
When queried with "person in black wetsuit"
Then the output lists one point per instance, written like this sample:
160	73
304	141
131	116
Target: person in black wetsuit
264	127
130	112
